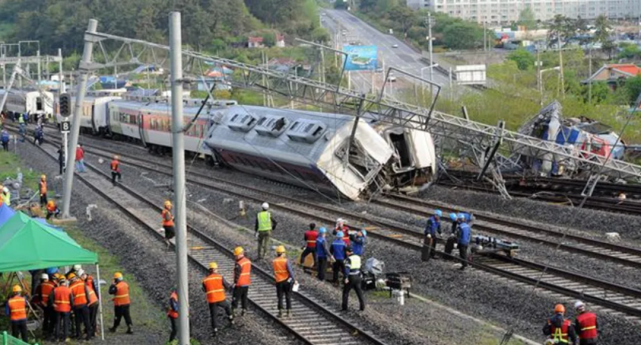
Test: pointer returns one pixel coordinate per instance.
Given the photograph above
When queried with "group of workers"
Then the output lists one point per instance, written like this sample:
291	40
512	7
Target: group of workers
63	297
461	235
560	330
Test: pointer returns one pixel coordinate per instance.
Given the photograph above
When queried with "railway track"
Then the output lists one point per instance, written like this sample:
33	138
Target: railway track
612	297
313	322
485	222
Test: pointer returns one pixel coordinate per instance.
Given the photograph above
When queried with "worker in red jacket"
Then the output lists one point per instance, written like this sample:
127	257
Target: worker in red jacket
115	171
310	243
80	159
586	325
558	328
172	313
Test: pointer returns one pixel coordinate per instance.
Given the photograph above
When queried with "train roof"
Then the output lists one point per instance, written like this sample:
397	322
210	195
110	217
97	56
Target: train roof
152	106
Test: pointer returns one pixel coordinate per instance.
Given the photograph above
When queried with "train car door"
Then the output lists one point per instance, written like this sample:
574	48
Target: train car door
93	119
141	129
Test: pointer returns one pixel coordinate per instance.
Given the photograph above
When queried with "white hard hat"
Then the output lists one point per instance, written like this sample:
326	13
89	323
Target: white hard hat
44	276
579	305
5	189
77	267
340	220
80	272
265	206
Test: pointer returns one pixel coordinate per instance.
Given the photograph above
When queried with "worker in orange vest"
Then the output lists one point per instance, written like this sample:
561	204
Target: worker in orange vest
168	222
172	313
62	301
43	291
214	286
120	290
52	210
16	308
558	328
80	306
284	278
115	171
242	280
94	295
43	190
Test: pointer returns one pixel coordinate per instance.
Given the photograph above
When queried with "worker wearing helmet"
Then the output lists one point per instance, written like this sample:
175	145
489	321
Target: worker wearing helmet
338	251
284	278
242	280
172	313
73	270
16	308
464	237
558	328
120	290
352	279
38	135
43	292
429	241
94	295
265	223
52	210
80	304
341	225
310	244
115	170
6	196
42	185
5	139
358	241
168	222
323	252
214	286
61	302
586	325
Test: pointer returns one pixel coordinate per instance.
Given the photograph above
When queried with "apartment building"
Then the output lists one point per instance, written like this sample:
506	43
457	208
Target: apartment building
506	11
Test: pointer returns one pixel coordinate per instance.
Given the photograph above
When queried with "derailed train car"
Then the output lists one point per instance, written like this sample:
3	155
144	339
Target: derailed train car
314	150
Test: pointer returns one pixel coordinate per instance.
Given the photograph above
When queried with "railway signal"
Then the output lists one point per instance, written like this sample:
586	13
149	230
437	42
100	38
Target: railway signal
65	105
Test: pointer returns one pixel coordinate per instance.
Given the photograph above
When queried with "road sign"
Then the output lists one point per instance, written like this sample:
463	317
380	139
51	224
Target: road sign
65	126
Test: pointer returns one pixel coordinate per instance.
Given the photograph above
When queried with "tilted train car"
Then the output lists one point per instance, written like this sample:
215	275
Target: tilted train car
28	101
310	149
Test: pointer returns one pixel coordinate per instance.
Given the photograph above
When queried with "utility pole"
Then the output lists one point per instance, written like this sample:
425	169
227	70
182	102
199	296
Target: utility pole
538	76
590	75
61	84
429	44
178	158
75	127
39	68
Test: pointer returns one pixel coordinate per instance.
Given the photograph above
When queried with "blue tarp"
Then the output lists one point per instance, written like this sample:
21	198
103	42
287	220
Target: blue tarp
5	213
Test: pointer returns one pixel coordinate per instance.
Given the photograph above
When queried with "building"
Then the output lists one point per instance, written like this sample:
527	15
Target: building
614	74
255	42
507	11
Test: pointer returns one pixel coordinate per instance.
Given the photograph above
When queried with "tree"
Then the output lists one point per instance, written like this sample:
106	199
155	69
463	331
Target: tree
463	35
269	39
561	29
630	51
633	88
403	16
523	58
602	29
527	18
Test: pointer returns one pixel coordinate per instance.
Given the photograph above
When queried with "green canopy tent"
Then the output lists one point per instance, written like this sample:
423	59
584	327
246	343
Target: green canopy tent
26	244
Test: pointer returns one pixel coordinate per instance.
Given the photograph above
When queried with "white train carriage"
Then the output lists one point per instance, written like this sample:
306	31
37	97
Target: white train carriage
93	114
150	122
301	148
28	101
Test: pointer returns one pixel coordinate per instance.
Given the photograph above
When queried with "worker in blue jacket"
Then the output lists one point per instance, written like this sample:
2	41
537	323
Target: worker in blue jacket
464	236
431	228
358	242
322	253
338	251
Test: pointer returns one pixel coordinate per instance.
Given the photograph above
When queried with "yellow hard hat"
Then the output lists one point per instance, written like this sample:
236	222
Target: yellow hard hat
50	203
71	276
238	250
117	275
43	177
17	288
167	203
213	266
280	249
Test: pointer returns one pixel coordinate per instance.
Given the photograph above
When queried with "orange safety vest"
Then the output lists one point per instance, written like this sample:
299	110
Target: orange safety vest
587	325
92	294
43	187
79	293
166	222
172	313
18	308
122	294
214	288
280	269
245	272
51	208
62	300
115	165
45	291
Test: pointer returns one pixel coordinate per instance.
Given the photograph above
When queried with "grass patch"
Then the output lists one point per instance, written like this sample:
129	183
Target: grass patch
9	164
485	335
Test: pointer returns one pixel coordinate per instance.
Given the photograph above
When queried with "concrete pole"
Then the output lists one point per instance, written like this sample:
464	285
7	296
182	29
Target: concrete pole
75	126
590	75
180	209
429	33
61	86
39	68
538	76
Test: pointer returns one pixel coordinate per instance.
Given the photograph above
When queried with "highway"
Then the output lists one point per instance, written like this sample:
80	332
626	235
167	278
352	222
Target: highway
403	57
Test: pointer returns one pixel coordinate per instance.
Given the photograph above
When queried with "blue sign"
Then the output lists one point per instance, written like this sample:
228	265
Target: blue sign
361	58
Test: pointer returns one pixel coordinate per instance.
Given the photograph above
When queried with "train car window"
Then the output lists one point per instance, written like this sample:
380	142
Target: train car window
262	120
233	119
318	131
293	127
251	122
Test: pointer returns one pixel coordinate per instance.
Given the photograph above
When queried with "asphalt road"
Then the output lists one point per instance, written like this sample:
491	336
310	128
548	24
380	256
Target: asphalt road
403	57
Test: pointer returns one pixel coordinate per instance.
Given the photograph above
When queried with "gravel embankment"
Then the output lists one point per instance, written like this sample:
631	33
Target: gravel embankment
154	268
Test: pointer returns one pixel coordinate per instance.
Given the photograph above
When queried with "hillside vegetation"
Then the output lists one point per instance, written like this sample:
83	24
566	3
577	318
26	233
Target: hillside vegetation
205	23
